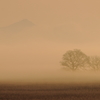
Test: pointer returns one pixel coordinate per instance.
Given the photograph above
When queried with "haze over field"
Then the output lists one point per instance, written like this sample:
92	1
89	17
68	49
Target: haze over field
35	34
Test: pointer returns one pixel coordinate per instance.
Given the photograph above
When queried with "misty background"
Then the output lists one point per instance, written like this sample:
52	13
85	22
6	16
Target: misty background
35	34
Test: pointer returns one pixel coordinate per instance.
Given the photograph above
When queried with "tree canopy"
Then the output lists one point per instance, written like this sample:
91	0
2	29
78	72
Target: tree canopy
76	59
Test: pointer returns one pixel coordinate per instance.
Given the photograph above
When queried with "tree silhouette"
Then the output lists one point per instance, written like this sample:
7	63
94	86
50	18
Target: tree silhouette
94	62
74	59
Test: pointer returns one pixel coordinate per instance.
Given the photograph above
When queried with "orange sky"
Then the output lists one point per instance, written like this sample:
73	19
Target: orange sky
54	20
50	11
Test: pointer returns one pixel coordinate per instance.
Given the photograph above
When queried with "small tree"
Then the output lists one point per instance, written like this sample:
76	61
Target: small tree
94	62
74	59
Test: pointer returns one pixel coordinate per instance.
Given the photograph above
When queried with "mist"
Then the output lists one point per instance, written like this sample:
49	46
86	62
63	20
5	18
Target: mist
39	61
34	35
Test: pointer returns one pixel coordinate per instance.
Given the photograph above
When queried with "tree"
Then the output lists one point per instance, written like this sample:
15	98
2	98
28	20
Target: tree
74	59
94	62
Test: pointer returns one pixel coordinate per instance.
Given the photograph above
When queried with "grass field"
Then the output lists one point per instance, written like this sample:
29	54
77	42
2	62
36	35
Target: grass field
50	92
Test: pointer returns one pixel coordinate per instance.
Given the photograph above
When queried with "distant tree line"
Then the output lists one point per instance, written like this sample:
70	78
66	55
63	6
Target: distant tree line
77	60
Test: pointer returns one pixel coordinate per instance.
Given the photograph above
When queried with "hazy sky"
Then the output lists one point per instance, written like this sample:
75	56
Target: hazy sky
79	18
59	25
84	12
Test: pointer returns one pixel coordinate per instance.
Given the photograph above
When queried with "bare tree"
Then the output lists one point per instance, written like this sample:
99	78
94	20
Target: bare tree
74	59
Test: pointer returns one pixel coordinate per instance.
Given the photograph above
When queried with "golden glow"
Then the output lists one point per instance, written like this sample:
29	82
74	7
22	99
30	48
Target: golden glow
59	25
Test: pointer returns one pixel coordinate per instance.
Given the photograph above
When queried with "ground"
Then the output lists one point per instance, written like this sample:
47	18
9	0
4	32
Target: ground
50	92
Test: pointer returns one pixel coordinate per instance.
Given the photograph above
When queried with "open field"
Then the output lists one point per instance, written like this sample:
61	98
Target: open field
50	92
